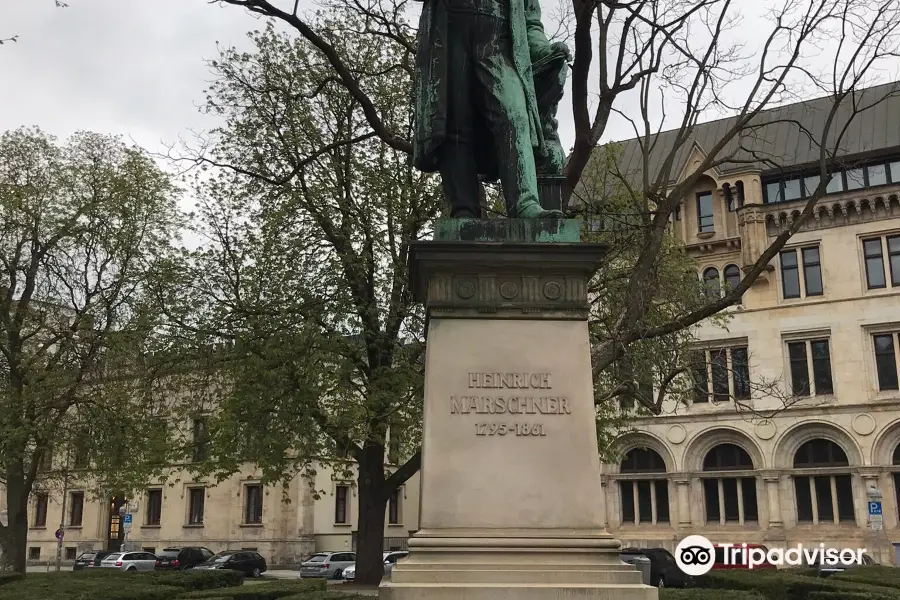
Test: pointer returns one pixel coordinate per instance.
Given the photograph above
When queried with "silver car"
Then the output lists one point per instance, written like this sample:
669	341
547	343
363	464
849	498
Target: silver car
390	559
330	565
129	561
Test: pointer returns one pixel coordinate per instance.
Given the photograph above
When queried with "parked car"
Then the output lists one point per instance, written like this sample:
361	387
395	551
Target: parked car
828	570
739	562
664	571
248	562
390	559
90	559
182	557
129	561
330	565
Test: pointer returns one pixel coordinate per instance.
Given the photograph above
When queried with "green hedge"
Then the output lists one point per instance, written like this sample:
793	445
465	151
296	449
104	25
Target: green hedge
699	594
307	588
10	577
111	584
784	585
883	576
842	595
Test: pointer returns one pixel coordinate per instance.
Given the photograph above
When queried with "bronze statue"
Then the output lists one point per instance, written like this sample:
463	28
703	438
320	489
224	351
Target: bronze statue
488	84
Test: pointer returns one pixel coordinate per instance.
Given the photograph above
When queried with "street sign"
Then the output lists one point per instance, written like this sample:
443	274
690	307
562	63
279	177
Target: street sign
875	508
59	534
126	520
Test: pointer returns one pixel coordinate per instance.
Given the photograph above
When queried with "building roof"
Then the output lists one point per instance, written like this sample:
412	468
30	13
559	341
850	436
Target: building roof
778	140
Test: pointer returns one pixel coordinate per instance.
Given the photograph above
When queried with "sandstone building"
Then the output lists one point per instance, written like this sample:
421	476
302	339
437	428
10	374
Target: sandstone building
823	322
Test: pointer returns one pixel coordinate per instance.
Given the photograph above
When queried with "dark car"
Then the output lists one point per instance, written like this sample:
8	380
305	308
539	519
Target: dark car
89	559
250	563
182	557
664	571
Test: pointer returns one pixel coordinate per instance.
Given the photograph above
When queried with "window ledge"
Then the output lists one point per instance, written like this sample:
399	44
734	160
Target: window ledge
343	525
252	525
75	527
395	524
705	235
193	525
39	527
159	526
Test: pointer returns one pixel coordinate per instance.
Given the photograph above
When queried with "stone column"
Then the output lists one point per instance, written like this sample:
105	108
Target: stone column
683	495
510	472
771	484
604	511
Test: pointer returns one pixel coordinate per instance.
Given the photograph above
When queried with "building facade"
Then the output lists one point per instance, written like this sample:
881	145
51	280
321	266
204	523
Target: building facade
795	422
283	523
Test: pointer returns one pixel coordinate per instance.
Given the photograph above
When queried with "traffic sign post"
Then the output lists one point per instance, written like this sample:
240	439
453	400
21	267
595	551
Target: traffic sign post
127	520
876	517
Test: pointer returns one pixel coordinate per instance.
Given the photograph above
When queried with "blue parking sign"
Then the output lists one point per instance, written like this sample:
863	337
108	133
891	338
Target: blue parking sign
126	520
875	508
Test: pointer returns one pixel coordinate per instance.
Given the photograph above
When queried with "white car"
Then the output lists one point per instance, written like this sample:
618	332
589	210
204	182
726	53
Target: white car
390	559
129	561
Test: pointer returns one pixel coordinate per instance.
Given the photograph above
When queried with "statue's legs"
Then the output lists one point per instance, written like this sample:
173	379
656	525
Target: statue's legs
482	77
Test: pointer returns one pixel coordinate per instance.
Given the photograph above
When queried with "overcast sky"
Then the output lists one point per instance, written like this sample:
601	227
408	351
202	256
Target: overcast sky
136	67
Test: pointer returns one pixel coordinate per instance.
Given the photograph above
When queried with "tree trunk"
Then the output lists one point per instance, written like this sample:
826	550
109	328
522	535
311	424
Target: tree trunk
14	537
372	506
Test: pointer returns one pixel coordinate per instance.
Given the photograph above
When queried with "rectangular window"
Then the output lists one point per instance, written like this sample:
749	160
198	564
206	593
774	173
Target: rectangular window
394	445
711	496
821	359
645	502
627	494
886	362
41	500
748	492
804	499
874	263
836	184
154	506
71	552
877	175
773	192
720	376
810	284
196	501
661	487
893	244
394	508
34	553
790	274
740	373
700	377
76	509
844	492
705	217
823	498
793	190
895	171
812	271
253	504
810	183
199	439
810	378
856	178
799	368
341	495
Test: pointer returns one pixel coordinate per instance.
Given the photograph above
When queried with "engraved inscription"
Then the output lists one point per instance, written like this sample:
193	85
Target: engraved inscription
517	405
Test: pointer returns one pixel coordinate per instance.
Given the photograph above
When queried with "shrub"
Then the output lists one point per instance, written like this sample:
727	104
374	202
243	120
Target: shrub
10	577
784	585
842	595
699	594
196	580
883	576
67	588
309	589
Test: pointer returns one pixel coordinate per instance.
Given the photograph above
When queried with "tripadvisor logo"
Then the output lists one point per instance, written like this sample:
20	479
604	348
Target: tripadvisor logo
695	555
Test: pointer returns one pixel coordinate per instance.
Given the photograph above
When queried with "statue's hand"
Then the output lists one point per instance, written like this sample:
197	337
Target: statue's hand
560	48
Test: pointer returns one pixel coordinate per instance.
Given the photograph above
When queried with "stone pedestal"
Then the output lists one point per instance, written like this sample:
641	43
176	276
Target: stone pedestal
511	496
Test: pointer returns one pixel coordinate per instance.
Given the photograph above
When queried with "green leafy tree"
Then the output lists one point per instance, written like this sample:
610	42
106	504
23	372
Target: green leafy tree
301	283
81	225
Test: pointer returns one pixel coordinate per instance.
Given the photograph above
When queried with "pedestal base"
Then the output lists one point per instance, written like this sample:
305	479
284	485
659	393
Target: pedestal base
525	564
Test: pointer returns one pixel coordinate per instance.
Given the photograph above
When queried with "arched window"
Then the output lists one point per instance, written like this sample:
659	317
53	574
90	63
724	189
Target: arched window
729	196
644	490
711	285
732	275
896	462
740	193
823	497
729	499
